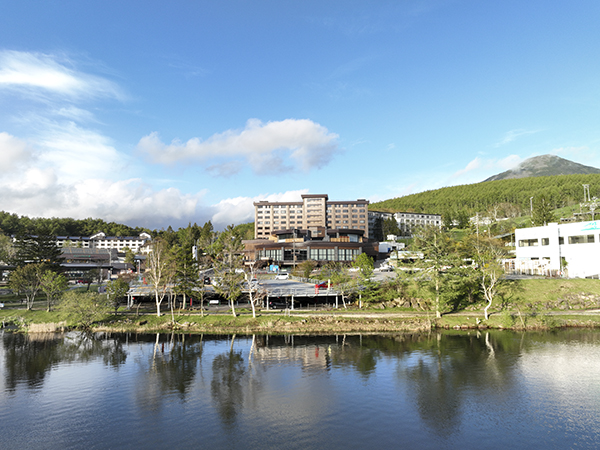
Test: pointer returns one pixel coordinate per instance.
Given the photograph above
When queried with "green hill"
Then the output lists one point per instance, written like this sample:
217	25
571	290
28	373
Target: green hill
511	196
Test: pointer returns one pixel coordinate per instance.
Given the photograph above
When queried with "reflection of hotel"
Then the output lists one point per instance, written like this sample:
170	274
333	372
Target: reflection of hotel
540	250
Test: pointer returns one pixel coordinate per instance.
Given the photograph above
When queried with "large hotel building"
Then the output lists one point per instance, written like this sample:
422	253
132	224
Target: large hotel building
314	213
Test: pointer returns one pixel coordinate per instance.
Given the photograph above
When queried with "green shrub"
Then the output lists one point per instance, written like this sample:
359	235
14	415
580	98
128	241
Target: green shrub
83	309
507	319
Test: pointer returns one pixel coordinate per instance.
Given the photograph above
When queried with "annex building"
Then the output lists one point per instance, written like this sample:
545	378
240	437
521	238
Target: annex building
407	221
102	241
570	249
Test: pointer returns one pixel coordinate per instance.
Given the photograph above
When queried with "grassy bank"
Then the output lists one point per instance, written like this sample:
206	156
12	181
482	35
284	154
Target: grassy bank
525	304
340	321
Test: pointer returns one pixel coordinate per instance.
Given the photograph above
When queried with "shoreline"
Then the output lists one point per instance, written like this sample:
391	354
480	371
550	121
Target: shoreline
283	322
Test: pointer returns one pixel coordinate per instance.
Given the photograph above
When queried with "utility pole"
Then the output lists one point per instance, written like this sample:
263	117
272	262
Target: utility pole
590	203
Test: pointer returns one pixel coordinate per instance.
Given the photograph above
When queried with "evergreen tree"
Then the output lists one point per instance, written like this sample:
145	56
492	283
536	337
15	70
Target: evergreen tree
40	248
542	212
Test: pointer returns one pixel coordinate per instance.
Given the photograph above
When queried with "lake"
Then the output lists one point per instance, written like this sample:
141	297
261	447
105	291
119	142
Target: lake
455	390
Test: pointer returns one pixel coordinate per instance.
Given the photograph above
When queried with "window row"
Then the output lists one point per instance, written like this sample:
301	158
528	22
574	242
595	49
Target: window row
580	239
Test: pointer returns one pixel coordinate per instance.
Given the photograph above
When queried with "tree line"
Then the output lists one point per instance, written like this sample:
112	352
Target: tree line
510	197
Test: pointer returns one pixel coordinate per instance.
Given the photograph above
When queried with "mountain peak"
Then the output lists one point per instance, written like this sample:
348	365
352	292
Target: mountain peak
543	166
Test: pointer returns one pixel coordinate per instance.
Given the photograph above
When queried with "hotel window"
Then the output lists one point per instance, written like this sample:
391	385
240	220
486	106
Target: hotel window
545	241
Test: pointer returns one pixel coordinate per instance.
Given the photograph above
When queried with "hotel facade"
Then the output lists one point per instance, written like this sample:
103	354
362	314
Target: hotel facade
286	233
314	213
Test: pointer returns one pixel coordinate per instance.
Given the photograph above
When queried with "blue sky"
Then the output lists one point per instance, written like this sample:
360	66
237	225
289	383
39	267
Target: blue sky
155	113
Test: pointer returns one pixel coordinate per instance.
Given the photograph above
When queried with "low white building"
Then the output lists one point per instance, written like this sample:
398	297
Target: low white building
572	249
134	243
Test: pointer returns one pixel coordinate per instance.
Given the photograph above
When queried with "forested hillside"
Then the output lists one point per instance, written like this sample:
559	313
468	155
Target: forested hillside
13	224
512	194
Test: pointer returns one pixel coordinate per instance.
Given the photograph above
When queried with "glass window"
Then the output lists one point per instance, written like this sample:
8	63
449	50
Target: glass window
528	243
583	239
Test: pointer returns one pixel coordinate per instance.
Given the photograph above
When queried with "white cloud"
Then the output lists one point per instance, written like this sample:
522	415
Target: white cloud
39	194
13	153
266	147
241	209
479	167
38	74
582	155
511	135
77	153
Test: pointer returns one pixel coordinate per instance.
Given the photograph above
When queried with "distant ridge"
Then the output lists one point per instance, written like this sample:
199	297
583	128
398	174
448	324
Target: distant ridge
543	166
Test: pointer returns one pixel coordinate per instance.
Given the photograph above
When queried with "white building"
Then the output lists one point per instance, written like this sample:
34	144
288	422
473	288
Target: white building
540	250
134	243
407	222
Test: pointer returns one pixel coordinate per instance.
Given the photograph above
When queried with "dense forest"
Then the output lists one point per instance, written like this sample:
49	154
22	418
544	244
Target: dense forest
512	194
13	224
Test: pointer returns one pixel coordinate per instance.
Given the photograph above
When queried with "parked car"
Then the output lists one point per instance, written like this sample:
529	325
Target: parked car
323	285
214	302
278	304
282	276
206	280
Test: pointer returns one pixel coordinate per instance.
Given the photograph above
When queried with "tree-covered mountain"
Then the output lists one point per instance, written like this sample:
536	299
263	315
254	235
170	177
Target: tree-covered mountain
13	224
510	195
543	166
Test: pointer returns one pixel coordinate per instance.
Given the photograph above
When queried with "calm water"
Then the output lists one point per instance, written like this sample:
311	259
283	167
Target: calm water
492	390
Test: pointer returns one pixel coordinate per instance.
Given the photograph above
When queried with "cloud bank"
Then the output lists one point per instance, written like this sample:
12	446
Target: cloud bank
266	147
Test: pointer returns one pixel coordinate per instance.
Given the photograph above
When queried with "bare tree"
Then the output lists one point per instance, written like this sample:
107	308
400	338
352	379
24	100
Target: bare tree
249	275
160	271
488	255
27	280
228	267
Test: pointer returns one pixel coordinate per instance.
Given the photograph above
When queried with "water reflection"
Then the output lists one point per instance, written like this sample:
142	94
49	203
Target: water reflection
425	389
29	358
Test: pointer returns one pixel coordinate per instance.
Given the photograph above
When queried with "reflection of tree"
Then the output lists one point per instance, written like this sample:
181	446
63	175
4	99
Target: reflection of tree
171	368
29	357
226	386
177	370
437	398
29	360
452	367
353	353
